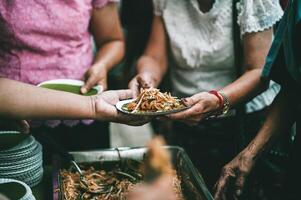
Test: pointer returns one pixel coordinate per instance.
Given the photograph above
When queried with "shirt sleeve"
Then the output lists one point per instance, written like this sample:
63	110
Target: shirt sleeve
158	6
258	15
102	3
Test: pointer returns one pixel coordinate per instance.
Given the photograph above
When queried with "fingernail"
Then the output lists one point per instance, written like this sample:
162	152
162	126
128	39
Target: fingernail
184	100
84	90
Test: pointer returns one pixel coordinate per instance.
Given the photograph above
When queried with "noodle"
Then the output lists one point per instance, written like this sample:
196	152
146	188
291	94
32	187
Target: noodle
152	100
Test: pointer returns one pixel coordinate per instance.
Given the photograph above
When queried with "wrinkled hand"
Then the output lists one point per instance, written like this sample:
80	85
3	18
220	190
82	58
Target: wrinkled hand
201	106
141	81
96	75
105	108
161	189
233	177
15	125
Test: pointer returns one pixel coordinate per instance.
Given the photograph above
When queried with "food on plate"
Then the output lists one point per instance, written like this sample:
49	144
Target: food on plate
152	100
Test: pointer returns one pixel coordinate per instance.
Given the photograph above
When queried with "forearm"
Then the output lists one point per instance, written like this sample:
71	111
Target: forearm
110	54
256	47
23	101
279	120
245	88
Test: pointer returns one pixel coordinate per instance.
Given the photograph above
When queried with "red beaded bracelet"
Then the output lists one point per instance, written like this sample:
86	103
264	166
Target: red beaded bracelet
220	98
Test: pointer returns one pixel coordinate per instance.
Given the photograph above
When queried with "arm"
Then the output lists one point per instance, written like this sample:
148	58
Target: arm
279	121
256	47
152	65
106	29
23	101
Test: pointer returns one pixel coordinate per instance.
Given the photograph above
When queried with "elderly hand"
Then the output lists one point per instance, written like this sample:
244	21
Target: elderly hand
233	177
201	105
105	108
144	80
96	75
161	189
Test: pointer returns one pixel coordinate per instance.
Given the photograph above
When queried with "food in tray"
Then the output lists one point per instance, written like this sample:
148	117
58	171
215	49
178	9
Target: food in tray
152	100
119	180
116	184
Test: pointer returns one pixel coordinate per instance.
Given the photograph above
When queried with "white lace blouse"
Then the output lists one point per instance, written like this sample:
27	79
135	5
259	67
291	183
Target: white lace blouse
201	44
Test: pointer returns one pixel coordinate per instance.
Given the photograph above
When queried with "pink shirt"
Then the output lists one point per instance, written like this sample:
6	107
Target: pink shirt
55	38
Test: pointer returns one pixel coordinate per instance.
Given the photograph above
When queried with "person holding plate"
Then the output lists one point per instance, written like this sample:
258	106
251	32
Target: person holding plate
216	51
53	40
23	101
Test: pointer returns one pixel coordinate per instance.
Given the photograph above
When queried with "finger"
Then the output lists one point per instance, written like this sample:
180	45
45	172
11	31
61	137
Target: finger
24	127
223	184
103	82
195	110
239	184
190	101
134	86
15	125
90	82
124	94
144	82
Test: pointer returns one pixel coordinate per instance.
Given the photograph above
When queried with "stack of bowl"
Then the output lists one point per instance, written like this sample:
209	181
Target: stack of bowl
23	161
20	190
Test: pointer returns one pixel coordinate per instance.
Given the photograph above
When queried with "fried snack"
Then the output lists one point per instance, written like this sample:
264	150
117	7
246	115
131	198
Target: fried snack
152	100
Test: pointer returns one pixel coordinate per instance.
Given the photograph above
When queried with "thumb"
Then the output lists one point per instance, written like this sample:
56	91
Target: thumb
90	82
125	94
239	184
134	86
190	101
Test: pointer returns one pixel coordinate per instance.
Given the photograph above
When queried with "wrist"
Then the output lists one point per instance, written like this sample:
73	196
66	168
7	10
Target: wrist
93	106
252	151
223	102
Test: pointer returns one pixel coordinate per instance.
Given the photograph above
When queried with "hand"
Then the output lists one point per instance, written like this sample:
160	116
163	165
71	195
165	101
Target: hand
233	177
202	105
15	125
144	80
96	75
105	108
161	189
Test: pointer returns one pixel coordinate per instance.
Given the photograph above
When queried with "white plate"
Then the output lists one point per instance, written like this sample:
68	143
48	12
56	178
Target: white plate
74	82
120	104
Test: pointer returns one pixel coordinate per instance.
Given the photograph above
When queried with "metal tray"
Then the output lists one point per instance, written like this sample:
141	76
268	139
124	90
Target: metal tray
193	185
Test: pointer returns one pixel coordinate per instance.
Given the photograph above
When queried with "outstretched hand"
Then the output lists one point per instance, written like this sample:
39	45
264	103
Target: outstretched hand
105	108
233	177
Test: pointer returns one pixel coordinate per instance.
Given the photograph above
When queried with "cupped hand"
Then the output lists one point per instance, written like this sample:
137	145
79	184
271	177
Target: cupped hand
106	111
233	177
201	106
144	80
96	75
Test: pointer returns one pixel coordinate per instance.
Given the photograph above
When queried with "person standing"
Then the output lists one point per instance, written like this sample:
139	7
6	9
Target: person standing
53	40
283	64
